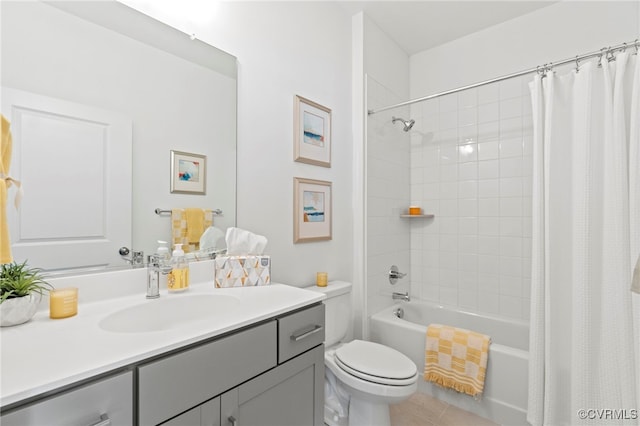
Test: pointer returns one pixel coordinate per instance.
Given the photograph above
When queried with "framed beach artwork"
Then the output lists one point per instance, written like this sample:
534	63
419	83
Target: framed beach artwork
188	173
311	210
312	133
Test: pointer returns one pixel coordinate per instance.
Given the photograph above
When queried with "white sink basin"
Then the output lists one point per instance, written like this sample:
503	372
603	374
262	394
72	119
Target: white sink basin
168	312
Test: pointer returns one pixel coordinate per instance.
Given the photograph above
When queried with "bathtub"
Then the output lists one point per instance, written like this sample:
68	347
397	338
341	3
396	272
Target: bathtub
504	399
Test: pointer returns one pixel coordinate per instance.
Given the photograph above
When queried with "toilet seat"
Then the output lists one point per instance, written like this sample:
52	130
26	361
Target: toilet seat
376	363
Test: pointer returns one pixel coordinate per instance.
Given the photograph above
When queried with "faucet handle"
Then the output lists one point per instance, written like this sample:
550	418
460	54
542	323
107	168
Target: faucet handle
395	274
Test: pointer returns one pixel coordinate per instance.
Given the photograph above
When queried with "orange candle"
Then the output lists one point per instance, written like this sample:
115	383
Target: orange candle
63	302
414	211
321	279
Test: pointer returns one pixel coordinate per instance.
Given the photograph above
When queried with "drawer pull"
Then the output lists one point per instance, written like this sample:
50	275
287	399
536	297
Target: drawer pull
233	421
104	421
304	333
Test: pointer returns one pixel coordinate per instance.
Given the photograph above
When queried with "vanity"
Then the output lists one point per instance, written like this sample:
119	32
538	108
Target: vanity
255	357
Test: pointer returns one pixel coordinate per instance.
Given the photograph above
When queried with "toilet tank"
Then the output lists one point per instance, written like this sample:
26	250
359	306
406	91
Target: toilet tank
337	310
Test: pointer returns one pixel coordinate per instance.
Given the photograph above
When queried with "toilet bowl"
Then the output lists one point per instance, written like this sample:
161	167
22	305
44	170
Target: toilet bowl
362	378
373	376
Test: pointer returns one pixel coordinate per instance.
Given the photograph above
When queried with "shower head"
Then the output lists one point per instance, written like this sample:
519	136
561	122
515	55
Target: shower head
408	124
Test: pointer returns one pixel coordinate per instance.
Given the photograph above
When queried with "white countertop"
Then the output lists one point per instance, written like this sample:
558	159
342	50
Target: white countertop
44	354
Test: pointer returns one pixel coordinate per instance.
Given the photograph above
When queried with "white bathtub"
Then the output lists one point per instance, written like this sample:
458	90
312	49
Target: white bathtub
504	399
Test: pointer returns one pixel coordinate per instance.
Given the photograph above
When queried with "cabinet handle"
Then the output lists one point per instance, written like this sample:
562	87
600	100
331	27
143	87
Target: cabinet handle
301	334
233	421
104	421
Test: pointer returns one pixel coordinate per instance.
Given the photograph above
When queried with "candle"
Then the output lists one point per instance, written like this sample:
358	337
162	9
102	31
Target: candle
321	279
413	210
63	302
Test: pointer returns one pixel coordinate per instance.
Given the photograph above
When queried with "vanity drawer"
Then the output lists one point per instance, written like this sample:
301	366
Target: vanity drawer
299	332
109	399
179	382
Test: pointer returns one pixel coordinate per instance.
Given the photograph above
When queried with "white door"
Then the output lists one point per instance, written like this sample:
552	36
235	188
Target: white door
74	162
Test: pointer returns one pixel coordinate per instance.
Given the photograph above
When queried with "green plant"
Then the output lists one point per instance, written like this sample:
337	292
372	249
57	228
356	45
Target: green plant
18	280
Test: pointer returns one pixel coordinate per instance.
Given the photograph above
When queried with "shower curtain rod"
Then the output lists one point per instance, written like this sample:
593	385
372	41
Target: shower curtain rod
546	67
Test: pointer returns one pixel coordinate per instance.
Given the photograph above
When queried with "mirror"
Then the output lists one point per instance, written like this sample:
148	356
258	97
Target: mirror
177	94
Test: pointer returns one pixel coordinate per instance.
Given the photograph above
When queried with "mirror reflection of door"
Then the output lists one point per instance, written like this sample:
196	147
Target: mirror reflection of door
75	164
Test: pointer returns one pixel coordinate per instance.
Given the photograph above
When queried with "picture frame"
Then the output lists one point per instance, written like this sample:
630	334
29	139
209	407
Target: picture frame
312	132
188	173
312	207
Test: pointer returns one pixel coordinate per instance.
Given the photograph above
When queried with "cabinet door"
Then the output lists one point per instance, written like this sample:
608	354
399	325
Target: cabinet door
91	404
207	414
290	395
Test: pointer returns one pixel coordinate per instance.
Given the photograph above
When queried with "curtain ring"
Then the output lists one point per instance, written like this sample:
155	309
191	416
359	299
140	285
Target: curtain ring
610	56
577	64
602	53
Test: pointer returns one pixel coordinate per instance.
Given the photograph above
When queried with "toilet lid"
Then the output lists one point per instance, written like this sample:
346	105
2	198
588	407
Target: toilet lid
376	363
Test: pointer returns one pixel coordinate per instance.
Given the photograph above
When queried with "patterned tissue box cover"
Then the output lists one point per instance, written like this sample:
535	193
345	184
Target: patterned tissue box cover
242	271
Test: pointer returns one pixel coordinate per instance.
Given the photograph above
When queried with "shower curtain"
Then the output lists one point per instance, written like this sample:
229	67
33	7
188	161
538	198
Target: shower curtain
584	365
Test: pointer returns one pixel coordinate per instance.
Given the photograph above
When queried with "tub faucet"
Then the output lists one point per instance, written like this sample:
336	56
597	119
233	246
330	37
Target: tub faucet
401	296
155	266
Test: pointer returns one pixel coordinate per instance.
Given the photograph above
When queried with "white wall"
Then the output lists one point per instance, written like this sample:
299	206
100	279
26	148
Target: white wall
560	31
471	152
286	49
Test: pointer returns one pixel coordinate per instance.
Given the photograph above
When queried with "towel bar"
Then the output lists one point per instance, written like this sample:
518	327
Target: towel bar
216	212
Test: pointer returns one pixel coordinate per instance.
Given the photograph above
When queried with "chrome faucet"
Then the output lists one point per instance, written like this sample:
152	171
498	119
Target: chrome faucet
156	265
401	296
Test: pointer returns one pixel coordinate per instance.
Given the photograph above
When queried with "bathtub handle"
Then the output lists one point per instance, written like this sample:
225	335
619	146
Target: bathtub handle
395	274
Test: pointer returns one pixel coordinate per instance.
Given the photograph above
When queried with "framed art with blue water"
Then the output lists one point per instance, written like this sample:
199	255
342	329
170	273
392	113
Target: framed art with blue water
312	210
312	132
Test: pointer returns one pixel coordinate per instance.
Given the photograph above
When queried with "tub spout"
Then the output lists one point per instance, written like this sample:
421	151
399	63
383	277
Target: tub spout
401	296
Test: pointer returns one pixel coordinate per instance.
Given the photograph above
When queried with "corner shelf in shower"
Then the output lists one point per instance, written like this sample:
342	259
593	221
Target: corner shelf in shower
426	216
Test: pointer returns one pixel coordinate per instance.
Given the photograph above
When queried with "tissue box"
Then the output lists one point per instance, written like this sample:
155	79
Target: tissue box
242	271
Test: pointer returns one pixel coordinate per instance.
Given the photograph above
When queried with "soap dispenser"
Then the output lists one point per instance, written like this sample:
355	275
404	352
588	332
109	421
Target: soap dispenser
164	256
179	276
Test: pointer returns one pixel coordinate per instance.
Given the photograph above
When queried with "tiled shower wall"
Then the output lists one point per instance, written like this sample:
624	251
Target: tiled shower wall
387	196
471	166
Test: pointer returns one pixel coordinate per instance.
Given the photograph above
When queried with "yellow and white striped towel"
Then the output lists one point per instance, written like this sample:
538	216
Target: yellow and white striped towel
456	358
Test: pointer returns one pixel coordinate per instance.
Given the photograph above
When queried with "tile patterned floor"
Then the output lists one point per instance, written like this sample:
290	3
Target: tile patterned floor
423	410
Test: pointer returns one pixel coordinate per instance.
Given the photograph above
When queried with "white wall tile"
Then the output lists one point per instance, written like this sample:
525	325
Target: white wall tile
467	152
488	93
474	170
489	206
489	112
468	98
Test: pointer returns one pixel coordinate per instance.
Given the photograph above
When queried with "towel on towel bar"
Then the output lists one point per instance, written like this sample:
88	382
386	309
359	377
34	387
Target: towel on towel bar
187	226
456	358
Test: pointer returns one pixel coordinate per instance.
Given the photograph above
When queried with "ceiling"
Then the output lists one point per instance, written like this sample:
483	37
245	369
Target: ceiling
420	25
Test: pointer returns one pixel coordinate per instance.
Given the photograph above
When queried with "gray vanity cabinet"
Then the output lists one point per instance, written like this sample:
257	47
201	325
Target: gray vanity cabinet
265	374
269	374
290	395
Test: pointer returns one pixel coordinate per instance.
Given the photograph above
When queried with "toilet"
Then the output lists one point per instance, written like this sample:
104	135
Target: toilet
361	378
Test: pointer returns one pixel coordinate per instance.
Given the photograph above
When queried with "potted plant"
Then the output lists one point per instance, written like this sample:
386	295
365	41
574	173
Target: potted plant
21	288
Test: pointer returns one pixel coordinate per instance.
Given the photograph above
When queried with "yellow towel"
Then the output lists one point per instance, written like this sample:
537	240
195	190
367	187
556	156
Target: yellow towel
187	226
5	161
195	224
456	358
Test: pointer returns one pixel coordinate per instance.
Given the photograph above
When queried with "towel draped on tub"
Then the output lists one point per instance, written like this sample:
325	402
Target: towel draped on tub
456	358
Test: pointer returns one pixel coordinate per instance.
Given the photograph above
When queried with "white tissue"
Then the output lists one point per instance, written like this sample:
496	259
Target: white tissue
242	242
212	238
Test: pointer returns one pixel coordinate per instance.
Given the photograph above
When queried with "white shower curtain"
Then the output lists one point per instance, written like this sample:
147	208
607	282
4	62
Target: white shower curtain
585	322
